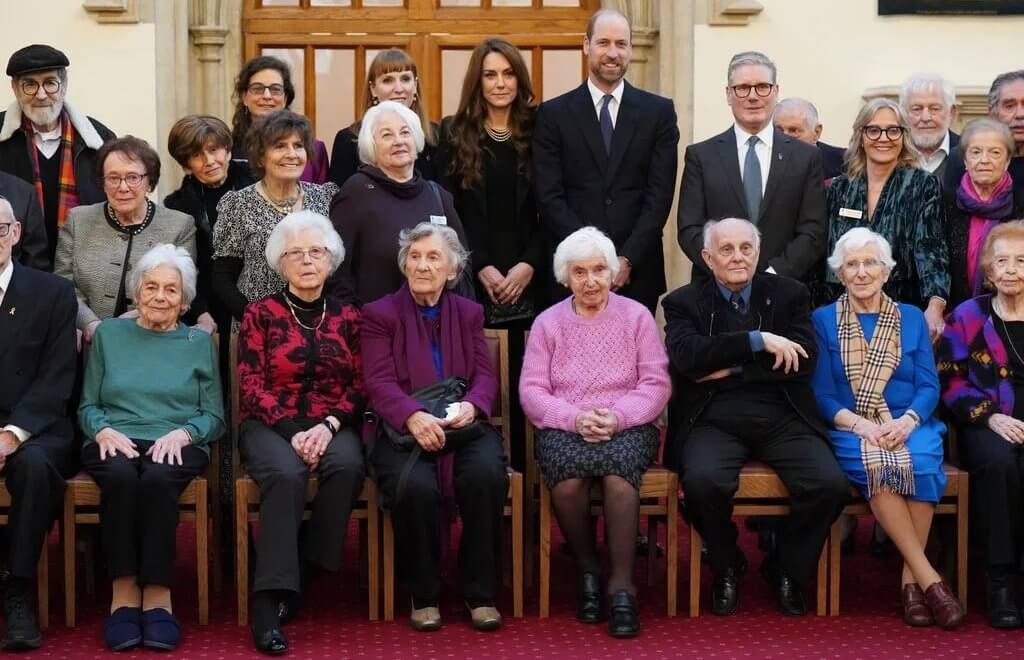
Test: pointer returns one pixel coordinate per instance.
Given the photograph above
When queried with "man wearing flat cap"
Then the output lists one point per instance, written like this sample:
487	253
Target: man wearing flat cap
47	142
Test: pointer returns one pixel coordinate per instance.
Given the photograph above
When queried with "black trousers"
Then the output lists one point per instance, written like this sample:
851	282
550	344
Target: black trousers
996	470
139	509
37	491
721	442
481	486
282	477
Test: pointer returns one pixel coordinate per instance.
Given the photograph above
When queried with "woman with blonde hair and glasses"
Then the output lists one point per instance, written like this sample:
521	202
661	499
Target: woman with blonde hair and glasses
392	76
884	189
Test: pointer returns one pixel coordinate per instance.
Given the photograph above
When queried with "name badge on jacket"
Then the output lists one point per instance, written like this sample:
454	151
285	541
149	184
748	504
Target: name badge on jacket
855	214
439	220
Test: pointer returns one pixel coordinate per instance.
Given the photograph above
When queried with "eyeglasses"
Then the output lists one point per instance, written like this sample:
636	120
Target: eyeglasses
259	89
30	87
297	255
761	89
871	266
874	133
113	181
5	228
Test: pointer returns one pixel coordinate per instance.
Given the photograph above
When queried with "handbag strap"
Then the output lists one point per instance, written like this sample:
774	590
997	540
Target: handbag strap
407	467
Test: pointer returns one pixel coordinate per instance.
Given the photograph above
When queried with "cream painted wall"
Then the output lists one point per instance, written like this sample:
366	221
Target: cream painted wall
830	51
112	76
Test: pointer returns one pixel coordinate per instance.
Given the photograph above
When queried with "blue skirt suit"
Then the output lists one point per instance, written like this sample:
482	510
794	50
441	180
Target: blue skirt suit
913	385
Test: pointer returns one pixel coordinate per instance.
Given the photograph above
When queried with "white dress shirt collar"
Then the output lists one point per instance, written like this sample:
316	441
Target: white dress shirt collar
766	135
597	95
5	278
931	163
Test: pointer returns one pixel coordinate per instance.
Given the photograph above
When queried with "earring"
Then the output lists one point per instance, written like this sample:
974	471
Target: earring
375	101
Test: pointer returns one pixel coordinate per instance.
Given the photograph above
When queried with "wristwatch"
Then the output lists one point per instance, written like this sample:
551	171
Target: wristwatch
331	427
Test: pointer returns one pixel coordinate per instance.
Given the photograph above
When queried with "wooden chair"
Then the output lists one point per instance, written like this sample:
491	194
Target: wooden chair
497	342
954	502
42	569
247	501
760	493
659	499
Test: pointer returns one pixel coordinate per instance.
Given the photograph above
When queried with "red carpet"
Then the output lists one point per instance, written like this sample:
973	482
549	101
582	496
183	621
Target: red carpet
334	623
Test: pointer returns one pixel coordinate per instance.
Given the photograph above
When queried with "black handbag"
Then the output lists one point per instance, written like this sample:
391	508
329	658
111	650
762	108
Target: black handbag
497	313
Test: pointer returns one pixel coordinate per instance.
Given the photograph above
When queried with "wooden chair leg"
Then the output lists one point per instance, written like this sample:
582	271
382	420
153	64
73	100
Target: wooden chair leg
43	585
695	543
68	541
373	550
961	540
203	553
389	567
545	551
822	587
517	545
834	545
672	545
242	551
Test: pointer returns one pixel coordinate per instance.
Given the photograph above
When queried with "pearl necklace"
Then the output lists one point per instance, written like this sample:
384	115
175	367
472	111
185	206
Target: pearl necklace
498	135
323	314
283	205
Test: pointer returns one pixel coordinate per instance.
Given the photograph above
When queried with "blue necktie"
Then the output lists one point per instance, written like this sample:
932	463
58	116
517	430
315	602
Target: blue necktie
752	180
606	122
736	300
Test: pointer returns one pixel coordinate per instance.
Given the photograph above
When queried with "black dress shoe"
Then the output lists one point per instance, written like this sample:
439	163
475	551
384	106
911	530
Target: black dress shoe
588	598
725	595
623	615
270	642
21	631
1002	603
791	598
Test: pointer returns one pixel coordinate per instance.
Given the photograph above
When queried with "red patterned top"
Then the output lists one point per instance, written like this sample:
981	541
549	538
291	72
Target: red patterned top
290	377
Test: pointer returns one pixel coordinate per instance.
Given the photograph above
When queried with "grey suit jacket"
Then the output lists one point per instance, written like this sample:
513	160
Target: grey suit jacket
91	254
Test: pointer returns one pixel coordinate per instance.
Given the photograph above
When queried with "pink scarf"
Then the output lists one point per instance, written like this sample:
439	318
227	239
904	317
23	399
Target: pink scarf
985	214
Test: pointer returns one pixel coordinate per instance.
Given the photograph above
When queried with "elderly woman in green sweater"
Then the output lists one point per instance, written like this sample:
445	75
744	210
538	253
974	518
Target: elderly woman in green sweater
151	405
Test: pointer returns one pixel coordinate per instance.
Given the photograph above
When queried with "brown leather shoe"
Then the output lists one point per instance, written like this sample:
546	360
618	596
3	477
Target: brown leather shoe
944	606
915	610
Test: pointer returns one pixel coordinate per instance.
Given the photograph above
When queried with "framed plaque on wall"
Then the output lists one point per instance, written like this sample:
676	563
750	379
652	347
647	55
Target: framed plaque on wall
983	7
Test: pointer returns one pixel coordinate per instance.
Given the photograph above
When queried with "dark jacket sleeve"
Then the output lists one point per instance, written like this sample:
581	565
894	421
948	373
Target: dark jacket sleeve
344	157
34	248
346	217
483	390
691	214
225	285
646	237
46	399
810	232
800	328
104	132
548	185
692	351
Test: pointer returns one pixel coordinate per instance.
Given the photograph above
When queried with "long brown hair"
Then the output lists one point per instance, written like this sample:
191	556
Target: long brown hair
242	120
467	133
395	60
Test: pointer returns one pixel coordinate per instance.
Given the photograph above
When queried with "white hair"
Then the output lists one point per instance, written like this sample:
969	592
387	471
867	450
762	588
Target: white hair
802	106
166	254
859	238
711	229
751	57
6	210
298	222
927	82
583	244
369	125
458	255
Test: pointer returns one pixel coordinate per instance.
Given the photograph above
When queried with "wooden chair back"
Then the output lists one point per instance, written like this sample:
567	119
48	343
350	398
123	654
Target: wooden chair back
497	344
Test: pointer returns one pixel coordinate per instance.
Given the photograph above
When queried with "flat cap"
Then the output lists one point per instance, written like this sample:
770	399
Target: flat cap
37	57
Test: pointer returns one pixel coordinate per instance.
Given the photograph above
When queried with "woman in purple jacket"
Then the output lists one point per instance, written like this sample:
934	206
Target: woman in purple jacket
411	339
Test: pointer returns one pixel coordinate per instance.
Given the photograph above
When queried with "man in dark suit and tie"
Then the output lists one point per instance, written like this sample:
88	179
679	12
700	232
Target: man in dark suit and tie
32	250
755	172
604	154
37	363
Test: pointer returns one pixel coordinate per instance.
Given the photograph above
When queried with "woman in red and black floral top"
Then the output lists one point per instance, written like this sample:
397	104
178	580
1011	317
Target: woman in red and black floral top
301	391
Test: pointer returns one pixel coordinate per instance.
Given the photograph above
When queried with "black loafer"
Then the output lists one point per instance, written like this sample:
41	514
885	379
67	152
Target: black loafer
588	599
270	642
1002	603
725	595
623	615
22	630
789	597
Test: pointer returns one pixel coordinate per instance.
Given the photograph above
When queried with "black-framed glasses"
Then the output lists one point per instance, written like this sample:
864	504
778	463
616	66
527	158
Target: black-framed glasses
133	180
30	87
259	89
874	133
5	228
761	89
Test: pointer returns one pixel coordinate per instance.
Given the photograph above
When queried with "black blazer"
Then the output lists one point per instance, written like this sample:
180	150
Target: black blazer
627	194
38	357
698	345
33	249
792	216
831	160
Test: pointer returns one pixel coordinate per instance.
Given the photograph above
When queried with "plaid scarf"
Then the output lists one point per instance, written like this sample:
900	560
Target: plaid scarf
869	368
67	189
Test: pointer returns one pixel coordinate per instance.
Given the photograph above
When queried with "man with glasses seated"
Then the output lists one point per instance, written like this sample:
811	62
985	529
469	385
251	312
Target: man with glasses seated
61	163
755	171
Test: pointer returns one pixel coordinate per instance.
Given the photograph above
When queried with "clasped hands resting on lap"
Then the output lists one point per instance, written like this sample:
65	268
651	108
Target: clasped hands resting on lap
429	430
597	425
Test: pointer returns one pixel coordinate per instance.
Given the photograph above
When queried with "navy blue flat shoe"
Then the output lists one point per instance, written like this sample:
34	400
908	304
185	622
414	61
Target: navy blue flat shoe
123	629
160	630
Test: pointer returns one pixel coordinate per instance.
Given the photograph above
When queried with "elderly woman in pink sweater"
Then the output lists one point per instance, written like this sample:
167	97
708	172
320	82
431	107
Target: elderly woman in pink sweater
594	381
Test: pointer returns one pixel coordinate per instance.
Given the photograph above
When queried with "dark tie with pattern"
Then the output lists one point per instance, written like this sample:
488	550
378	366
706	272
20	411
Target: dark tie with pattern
736	300
752	180
606	122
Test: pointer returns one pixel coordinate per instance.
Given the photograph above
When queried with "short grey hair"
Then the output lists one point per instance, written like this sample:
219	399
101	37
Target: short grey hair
6	210
369	125
166	254
987	125
583	244
927	82
997	86
458	255
711	229
859	238
751	57
295	223
802	106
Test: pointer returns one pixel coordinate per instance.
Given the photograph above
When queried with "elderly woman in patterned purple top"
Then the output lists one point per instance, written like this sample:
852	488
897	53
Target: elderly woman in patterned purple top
982	371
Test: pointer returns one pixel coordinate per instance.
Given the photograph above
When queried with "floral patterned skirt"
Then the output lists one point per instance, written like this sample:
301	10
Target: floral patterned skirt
565	455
